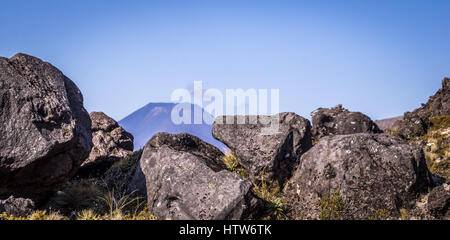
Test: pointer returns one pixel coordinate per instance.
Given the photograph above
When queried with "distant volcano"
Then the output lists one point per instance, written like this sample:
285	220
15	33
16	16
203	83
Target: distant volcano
156	117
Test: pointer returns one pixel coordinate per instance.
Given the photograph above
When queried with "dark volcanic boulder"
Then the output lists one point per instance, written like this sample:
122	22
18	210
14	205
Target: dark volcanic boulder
273	156
18	207
370	172
185	179
110	143
45	130
417	123
340	121
439	201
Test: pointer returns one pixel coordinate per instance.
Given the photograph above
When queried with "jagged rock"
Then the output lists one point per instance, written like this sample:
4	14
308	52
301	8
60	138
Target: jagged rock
439	201
186	179
416	123
272	157
44	128
370	172
110	144
340	121
17	207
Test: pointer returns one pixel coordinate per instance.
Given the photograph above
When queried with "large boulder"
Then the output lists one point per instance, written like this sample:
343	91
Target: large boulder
438	203
340	121
357	176
272	157
417	123
45	130
186	179
110	144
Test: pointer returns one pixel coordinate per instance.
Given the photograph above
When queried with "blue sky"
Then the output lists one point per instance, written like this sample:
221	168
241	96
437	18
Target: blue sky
378	57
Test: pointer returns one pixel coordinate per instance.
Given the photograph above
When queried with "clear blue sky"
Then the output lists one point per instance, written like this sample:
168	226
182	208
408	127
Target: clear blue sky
378	57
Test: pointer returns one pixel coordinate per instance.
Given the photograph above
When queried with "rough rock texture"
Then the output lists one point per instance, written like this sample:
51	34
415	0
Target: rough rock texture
439	201
186	179
340	121
416	123
110	143
45	130
18	207
371	172
273	157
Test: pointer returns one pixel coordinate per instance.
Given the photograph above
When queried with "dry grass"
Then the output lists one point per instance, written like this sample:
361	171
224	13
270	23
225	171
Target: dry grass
233	165
36	215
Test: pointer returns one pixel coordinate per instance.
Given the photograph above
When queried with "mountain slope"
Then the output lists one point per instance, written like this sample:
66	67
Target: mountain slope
387	123
156	117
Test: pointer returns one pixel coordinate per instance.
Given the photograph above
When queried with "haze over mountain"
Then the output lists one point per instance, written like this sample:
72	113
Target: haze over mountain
156	117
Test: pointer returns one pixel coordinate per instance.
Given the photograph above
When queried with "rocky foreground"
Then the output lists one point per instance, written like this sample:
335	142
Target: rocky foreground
59	162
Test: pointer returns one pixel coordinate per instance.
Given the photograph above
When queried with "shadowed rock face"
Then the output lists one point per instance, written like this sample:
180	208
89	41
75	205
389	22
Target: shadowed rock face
44	127
416	123
19	207
371	172
340	121
127	178
110	143
273	157
185	179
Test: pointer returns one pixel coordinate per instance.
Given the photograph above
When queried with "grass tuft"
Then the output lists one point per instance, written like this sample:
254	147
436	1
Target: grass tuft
233	165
